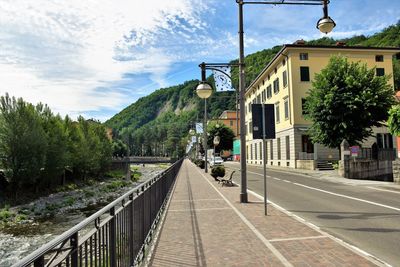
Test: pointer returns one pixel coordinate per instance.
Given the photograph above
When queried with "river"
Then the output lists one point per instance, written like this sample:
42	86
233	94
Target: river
20	240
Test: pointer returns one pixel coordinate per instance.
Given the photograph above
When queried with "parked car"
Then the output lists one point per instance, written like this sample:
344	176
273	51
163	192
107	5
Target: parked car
217	161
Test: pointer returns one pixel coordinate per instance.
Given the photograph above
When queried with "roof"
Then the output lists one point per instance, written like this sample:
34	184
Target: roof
395	50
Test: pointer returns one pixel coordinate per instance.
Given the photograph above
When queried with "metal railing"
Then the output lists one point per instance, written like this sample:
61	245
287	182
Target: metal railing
116	235
376	154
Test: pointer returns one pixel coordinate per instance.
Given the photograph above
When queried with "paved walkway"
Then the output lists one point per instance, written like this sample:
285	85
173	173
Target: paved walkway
206	225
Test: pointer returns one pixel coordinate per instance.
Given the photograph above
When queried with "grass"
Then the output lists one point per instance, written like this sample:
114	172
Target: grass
116	174
6	214
69	201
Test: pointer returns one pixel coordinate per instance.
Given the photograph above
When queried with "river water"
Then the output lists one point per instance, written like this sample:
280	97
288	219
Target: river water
19	241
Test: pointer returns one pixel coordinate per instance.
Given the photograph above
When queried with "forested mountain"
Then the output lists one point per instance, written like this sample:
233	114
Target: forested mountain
156	123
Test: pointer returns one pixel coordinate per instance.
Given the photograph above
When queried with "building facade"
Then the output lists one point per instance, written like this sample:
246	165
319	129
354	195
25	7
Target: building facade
284	82
229	118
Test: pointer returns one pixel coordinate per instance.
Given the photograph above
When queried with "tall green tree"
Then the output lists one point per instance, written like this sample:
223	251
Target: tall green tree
394	120
224	132
345	101
22	143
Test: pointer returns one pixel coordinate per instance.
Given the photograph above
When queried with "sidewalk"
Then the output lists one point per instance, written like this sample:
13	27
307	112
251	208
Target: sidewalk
206	225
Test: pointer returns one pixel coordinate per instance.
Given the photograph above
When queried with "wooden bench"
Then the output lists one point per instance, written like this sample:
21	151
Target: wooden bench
228	181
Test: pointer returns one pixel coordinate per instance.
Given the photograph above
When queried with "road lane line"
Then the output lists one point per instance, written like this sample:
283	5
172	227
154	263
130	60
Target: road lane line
337	194
385	190
260	236
355	249
352	198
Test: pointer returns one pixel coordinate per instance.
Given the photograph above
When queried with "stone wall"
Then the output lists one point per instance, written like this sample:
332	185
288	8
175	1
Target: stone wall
367	169
396	171
306	164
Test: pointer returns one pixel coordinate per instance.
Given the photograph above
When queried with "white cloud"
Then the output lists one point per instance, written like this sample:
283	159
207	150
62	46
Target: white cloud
67	53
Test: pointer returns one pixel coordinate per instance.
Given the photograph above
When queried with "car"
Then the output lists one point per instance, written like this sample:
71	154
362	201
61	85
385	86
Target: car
215	161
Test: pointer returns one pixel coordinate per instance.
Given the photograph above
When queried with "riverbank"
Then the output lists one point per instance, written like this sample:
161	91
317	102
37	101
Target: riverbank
29	226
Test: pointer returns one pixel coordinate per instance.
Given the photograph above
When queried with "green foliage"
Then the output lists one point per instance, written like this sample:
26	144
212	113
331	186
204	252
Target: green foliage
156	124
346	100
119	148
226	136
69	201
218	171
394	120
36	146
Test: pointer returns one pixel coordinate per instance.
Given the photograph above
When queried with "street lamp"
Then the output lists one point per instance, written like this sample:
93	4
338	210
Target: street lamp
325	24
204	91
216	143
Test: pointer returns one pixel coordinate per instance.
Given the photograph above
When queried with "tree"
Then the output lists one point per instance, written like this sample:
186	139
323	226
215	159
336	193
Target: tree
22	143
394	120
226	136
346	100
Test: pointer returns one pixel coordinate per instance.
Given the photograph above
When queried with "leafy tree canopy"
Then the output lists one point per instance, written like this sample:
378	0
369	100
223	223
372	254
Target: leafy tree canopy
224	132
346	100
394	120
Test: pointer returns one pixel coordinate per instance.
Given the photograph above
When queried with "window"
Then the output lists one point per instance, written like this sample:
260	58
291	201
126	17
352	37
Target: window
380	71
278	141
276	86
303	56
284	79
269	91
275	70
305	74
261	152
283	62
306	144
231	123
247	151
259	99
271	149
379	58
287	142
251	127
303	106
251	151
277	112
384	140
255	151
286	107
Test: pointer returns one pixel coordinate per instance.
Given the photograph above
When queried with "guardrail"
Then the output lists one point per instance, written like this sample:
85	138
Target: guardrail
116	235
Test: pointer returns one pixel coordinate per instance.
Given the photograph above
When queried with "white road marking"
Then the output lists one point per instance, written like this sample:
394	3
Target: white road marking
337	194
385	190
357	250
260	236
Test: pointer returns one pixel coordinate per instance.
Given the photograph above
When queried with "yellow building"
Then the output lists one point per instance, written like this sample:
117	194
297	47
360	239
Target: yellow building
284	82
229	119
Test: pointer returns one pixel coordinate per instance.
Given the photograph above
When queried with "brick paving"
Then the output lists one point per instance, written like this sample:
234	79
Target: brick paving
205	225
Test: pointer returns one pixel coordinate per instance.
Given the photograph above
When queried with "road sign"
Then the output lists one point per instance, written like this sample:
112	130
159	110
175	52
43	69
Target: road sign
354	150
269	119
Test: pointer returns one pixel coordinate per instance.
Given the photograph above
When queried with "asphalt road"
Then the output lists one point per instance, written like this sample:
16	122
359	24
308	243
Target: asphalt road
361	215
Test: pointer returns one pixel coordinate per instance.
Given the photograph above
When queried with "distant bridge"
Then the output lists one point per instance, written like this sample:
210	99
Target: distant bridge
139	160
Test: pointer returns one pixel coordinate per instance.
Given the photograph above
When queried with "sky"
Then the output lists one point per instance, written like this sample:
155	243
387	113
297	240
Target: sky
95	57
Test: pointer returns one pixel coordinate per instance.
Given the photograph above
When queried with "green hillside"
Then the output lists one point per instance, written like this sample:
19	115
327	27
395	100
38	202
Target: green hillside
156	123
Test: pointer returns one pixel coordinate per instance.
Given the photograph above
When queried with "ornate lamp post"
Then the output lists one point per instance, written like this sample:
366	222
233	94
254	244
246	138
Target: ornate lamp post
204	91
325	25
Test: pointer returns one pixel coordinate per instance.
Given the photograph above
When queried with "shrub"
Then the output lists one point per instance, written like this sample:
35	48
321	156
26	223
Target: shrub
218	171
201	163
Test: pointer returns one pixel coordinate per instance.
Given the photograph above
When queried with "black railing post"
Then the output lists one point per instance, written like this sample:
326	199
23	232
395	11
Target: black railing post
131	231
74	250
113	238
39	262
